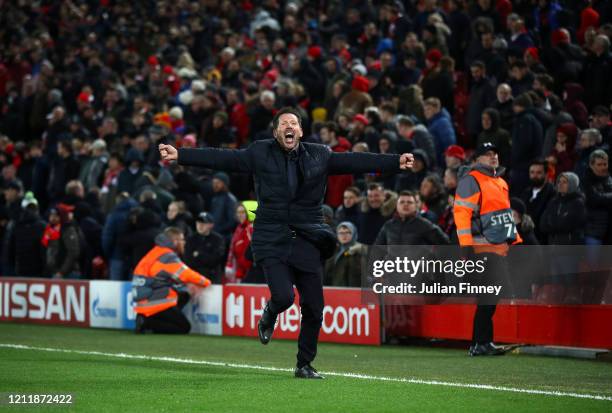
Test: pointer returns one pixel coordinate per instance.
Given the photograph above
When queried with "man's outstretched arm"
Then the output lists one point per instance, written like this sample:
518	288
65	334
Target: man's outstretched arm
363	162
233	160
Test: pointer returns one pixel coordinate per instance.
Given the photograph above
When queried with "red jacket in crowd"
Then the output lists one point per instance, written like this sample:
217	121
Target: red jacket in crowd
338	183
238	265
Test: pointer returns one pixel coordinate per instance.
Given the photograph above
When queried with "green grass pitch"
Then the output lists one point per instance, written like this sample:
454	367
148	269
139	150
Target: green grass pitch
105	383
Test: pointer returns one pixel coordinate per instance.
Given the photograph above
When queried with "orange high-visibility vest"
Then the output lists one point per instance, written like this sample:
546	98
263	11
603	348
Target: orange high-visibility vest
484	219
156	276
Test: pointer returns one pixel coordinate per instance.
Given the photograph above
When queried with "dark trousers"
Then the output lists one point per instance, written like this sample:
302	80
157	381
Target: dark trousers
304	270
496	273
170	321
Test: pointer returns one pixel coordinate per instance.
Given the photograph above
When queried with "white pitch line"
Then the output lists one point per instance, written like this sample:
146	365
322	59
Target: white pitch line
329	373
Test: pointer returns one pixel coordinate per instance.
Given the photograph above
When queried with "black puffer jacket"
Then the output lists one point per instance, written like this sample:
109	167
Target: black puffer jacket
527	139
25	249
371	220
206	255
144	225
278	213
411	231
598	191
563	220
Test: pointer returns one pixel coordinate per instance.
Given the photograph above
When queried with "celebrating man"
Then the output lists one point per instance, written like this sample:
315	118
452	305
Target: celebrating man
290	239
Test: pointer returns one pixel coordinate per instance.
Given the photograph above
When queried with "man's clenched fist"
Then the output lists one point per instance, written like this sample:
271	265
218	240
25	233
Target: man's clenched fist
168	152
406	161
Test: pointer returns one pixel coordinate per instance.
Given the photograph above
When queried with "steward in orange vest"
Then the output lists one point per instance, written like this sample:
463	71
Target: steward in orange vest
159	286
484	222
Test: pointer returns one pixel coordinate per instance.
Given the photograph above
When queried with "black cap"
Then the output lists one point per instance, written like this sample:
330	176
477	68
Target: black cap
484	148
601	110
206	218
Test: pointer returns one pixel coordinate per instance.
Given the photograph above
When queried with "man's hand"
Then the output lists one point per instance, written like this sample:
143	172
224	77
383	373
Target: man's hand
194	291
406	161
168	152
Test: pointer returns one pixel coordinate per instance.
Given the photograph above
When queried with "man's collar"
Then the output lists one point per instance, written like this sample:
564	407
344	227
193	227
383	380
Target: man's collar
489	170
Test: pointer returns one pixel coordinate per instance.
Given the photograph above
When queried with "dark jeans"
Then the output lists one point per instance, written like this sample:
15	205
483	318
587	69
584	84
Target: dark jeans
497	272
170	321
304	270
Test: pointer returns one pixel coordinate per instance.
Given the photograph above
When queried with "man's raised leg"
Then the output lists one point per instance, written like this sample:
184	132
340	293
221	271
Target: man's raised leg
279	279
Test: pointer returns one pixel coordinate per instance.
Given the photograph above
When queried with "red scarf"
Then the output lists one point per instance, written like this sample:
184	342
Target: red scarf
51	233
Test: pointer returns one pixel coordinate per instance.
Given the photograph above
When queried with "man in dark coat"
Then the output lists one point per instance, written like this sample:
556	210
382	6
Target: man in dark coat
71	245
350	209
64	169
290	239
25	249
223	205
537	195
126	182
598	66
482	94
413	136
565	215
597	186
205	250
143	226
115	226
602	122
376	209
527	140
503	104
408	227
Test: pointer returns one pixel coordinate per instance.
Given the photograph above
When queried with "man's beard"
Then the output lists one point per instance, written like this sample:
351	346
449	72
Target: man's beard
537	182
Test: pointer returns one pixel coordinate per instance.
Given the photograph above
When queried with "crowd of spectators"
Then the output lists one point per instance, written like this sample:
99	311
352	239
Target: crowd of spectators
88	89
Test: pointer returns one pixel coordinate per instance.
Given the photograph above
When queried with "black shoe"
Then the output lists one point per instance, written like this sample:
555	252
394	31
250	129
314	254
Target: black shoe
307	372
486	349
140	320
265	326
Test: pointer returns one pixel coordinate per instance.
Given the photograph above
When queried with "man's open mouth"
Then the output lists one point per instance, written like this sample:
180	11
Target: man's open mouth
289	136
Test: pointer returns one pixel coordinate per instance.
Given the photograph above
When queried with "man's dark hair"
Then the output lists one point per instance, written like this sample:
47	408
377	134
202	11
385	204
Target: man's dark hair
479	64
539	161
520	64
117	156
376	186
523	101
405	120
389	107
406	192
546	80
354	190
283	111
330	126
